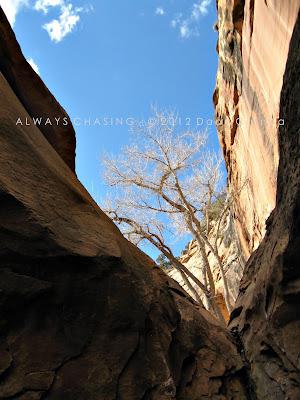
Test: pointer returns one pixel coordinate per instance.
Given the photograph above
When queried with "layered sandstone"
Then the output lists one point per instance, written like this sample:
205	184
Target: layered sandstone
34	95
258	82
254	38
267	314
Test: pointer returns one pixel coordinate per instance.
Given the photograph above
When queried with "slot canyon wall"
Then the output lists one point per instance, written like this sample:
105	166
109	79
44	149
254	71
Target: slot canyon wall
34	95
267	313
85	315
254	38
258	82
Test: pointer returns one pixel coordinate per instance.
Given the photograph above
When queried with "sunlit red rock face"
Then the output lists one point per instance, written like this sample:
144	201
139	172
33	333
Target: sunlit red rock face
254	38
267	314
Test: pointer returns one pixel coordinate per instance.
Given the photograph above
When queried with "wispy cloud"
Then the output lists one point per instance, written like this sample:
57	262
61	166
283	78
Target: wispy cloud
187	26
185	31
44	5
11	8
176	20
159	11
59	28
200	9
68	18
33	65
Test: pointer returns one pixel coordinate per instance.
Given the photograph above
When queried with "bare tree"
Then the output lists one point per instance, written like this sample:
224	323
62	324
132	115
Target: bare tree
168	175
153	231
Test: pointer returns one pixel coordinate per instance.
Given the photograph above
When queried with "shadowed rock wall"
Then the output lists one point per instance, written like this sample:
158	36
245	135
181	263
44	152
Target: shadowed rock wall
34	95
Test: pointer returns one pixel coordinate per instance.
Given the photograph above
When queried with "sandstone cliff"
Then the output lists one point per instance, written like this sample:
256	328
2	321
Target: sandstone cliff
84	315
258	81
267	314
254	38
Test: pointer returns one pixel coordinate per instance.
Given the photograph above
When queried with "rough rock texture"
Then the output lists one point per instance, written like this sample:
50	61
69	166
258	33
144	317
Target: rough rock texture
84	315
34	95
267	314
254	37
231	256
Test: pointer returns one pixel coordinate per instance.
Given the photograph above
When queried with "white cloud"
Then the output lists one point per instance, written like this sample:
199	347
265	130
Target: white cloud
58	28
200	9
44	5
159	11
33	65
184	30
11	8
176	20
188	26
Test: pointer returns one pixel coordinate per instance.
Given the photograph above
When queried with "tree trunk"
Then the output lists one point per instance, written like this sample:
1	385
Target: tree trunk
212	289
225	283
189	285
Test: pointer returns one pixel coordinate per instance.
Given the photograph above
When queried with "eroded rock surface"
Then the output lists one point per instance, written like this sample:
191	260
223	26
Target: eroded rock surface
254	38
34	95
267	314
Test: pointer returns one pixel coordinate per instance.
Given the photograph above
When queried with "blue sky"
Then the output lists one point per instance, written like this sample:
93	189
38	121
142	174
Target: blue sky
114	58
